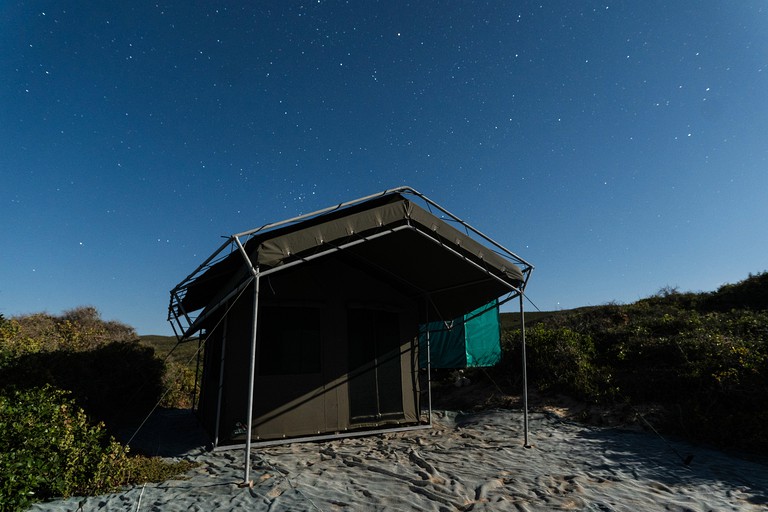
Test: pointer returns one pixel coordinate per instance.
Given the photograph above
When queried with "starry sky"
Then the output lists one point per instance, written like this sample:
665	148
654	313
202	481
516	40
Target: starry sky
620	147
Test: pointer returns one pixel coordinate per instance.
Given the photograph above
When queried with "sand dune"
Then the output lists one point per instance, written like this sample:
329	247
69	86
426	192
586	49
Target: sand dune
466	462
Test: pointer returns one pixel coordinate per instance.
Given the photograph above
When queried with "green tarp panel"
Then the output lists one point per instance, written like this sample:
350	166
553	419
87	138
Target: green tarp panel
466	342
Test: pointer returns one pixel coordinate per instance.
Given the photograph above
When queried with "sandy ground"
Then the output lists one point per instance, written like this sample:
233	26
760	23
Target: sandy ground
465	462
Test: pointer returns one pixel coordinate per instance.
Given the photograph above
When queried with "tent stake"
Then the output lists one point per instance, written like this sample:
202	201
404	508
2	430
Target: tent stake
247	476
525	375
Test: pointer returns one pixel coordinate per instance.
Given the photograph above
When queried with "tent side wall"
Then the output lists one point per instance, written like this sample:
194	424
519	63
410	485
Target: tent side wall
329	359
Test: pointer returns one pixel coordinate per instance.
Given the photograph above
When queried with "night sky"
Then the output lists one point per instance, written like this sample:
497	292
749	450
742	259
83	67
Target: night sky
620	147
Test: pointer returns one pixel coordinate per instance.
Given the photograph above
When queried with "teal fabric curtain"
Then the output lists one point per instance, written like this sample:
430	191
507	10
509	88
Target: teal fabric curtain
469	341
482	335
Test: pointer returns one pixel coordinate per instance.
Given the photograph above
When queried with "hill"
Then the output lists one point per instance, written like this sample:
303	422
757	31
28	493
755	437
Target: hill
184	353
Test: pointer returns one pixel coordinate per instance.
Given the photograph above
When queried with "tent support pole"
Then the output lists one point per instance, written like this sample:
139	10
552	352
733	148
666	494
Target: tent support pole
525	375
429	373
197	373
248	434
221	382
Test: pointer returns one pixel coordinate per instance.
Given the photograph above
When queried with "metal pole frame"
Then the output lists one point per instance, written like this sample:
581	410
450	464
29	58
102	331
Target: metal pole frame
525	375
221	382
176	310
252	371
194	393
249	434
429	368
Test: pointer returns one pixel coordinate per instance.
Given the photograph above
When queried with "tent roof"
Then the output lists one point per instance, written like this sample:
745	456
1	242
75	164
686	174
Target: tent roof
388	234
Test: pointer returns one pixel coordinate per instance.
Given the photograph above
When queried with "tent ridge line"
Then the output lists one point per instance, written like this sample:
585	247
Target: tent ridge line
329	209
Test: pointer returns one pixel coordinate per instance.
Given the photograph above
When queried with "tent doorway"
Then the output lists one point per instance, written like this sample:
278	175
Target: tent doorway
374	362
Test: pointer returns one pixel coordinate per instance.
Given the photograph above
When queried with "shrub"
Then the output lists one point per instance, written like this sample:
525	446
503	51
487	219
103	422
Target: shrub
179	384
142	469
96	331
113	383
72	351
48	449
702	356
76	330
751	293
54	442
559	359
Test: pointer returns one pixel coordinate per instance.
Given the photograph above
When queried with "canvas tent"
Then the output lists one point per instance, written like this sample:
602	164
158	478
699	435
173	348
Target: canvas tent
311	325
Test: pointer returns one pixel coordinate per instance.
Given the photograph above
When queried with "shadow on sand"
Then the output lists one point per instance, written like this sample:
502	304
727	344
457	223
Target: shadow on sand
674	462
167	433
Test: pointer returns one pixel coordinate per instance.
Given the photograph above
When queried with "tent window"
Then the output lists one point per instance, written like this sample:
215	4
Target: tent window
290	341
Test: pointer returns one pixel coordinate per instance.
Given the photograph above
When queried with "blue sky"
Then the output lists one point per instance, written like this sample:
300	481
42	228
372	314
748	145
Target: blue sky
621	147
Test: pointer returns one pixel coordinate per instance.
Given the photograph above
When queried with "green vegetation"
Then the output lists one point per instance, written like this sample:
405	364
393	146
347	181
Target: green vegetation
48	448
701	357
66	382
166	347
179	376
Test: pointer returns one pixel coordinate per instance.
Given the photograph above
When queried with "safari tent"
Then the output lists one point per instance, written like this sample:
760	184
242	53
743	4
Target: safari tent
310	326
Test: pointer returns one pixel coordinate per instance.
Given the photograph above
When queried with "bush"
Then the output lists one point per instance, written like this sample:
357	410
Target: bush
179	384
72	352
54	443
48	449
77	330
751	293
703	357
114	383
559	359
155	469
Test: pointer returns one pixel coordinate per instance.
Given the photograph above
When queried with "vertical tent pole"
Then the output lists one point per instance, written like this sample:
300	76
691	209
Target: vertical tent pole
221	381
429	374
525	375
197	372
247	477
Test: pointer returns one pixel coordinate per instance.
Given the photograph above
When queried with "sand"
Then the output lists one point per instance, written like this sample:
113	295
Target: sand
465	462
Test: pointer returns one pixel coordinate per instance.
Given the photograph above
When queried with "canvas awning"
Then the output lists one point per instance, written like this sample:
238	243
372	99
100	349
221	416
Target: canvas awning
389	235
